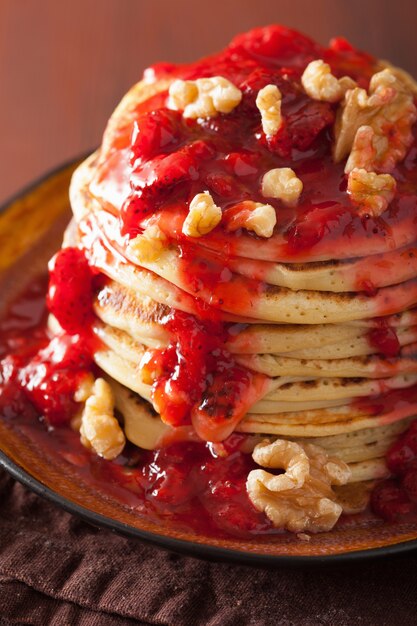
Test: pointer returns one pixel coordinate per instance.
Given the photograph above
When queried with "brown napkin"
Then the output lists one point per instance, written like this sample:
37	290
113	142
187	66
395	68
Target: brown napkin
55	569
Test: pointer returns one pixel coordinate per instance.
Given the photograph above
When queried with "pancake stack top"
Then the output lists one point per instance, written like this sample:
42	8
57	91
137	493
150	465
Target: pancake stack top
252	217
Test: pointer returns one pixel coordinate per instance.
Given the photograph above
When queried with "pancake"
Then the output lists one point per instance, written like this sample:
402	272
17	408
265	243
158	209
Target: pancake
373	366
161	281
309	416
118	306
363	450
379	270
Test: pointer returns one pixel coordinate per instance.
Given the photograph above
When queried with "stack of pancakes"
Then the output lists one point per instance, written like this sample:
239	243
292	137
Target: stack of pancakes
306	325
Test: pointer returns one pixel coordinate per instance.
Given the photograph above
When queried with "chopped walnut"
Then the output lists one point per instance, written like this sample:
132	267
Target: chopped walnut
388	114
367	146
320	84
203	216
268	102
282	183
204	97
260	218
301	499
149	245
84	389
82	393
404	76
99	429
371	192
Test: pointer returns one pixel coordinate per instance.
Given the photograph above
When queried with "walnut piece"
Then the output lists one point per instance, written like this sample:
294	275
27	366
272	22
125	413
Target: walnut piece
371	192
282	183
84	389
268	102
149	245
404	76
203	216
366	147
320	84
260	218
388	113
99	429
204	97
301	499
82	393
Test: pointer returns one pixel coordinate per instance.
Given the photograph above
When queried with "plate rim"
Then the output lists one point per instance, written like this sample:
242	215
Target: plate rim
183	546
192	548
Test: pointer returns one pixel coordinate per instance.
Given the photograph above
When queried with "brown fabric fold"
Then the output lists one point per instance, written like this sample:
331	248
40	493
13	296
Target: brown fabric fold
58	570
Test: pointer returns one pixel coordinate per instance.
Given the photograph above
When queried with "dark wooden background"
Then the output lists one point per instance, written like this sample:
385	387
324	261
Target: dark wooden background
65	64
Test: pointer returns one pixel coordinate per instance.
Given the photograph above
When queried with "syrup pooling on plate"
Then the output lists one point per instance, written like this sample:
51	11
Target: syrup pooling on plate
218	279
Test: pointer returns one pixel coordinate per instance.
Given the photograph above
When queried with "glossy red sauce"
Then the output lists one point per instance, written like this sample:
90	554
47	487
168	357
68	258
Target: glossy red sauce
172	158
396	498
196	378
390	406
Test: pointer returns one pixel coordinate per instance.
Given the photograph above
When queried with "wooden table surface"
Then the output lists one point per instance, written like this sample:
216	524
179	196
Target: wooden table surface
65	65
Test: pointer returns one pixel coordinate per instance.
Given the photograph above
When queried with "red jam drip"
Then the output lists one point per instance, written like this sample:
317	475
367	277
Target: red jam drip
398	401
395	499
71	287
52	376
47	371
183	368
39	377
196	380
384	338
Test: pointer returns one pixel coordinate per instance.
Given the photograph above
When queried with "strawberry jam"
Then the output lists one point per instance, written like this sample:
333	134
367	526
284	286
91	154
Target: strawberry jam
48	371
171	158
396	498
71	290
190	484
196	380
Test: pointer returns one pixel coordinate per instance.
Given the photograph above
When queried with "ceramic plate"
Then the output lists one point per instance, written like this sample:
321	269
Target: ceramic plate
30	230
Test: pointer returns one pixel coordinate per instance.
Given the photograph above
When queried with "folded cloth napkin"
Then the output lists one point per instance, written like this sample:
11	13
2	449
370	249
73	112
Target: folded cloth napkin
57	570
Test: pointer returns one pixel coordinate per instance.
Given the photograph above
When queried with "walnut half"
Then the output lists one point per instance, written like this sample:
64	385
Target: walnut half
371	192
268	102
375	128
100	430
203	216
255	216
282	183
301	499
